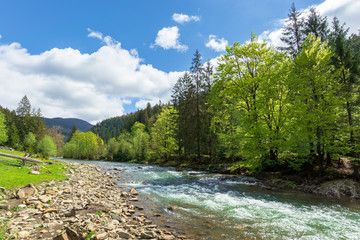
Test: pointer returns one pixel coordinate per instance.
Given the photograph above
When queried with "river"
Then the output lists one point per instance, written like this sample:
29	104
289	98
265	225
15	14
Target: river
215	206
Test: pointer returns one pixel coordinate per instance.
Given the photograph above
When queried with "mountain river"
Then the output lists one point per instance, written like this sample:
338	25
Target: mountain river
216	206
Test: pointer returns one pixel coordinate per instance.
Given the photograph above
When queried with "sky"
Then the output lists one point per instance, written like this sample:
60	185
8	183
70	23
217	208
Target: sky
94	60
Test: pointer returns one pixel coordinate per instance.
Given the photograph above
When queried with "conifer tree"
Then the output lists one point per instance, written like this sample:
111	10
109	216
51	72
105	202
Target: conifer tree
293	32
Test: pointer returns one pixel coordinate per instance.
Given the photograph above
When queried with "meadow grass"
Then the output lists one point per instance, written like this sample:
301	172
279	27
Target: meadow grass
13	176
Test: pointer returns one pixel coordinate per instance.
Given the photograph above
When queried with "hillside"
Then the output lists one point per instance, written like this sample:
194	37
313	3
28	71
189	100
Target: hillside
112	127
66	124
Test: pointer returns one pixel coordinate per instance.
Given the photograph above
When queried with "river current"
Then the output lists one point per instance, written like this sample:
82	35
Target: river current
215	206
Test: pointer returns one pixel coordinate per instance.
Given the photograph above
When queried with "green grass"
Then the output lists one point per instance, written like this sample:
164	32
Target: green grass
3	228
14	176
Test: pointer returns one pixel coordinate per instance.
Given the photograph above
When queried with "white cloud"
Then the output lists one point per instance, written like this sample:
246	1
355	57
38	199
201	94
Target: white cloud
143	103
68	83
183	18
216	44
94	34
0	36
168	38
346	11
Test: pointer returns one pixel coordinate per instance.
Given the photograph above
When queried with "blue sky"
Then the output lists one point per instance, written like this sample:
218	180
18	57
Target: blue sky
98	59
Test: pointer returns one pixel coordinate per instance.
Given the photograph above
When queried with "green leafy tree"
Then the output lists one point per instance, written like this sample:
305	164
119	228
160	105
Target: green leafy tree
347	58
315	101
73	131
13	139
86	145
249	102
47	147
3	130
112	149
163	133
30	143
140	141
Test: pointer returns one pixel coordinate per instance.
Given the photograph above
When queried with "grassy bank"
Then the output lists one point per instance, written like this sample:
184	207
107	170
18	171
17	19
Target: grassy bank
13	176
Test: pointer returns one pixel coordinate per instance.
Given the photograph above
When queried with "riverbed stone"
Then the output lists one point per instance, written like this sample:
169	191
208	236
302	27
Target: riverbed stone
26	191
89	201
34	172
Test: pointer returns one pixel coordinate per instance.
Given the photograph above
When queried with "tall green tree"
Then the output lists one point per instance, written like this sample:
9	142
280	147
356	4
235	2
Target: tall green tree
140	141
183	99
163	133
293	35
316	24
3	130
315	101
346	58
249	102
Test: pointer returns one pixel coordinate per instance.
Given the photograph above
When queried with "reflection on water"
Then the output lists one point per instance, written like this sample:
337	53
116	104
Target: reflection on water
214	206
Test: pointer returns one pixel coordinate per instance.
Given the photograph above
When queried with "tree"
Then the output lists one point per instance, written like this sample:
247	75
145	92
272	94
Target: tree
73	131
183	101
293	32
84	145
249	103
24	107
189	98
47	147
316	25
13	134
29	120
140	141
57	137
30	143
315	101
347	58
163	133
3	131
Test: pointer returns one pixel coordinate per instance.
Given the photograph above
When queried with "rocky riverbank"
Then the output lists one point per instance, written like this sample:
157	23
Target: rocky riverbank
89	205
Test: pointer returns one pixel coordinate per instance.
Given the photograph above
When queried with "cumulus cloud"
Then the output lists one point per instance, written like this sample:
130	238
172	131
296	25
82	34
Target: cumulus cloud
68	83
346	11
168	38
183	18
143	102
216	44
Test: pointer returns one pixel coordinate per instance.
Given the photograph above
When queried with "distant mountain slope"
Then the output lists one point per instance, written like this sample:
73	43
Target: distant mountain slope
66	124
112	127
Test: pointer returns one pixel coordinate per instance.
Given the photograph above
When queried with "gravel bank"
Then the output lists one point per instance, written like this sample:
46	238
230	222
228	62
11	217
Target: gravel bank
89	205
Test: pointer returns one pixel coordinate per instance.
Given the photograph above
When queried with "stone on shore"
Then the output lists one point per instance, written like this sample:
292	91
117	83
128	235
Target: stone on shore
26	191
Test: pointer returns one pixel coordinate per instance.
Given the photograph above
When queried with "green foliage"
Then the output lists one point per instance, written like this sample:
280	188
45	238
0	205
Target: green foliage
315	99
113	127
140	141
47	147
163	133
30	143
14	138
190	95
249	102
3	130
84	146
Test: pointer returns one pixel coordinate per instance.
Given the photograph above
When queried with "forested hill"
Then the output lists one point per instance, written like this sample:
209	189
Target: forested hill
66	124
112	127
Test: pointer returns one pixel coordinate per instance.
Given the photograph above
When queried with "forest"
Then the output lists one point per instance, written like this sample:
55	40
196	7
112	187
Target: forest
262	108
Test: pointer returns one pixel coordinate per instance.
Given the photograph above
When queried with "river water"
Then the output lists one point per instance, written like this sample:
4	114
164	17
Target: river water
215	206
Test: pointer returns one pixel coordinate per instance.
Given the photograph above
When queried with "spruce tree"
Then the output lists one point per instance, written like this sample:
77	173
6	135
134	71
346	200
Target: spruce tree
316	25
293	32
